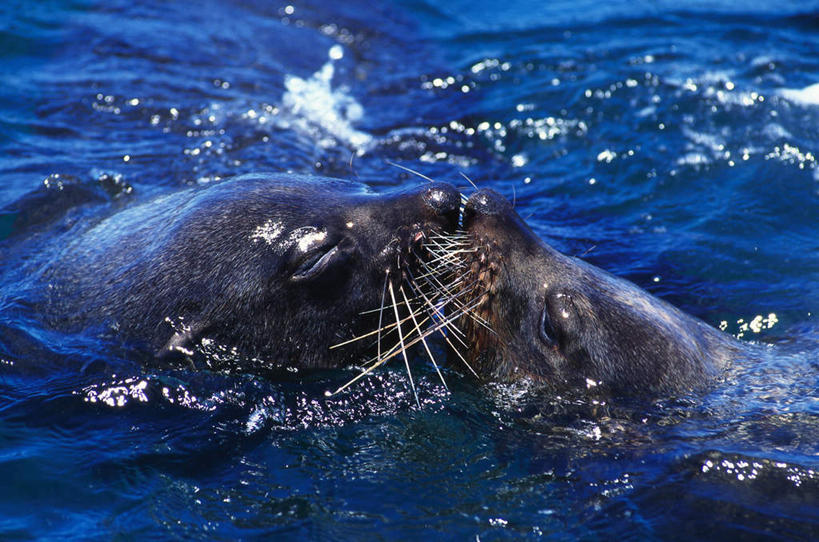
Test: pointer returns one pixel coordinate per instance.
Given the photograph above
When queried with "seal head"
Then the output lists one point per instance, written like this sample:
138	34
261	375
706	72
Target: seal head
563	322
267	269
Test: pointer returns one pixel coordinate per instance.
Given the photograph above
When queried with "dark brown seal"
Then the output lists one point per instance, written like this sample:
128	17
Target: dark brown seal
262	269
563	322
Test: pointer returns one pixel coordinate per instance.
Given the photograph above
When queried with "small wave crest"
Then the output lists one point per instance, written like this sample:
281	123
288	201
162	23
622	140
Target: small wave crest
804	96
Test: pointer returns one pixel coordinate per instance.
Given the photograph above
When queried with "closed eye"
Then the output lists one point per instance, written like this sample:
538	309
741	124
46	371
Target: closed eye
546	330
314	263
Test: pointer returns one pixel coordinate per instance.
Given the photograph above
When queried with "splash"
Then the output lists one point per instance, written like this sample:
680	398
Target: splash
325	112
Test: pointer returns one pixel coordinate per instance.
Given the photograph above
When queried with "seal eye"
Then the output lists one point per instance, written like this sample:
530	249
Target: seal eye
547	332
314	263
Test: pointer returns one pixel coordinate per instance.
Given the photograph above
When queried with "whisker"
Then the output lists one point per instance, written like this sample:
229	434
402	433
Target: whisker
450	257
423	340
429	331
436	248
588	250
438	284
449	290
448	261
381	311
440	250
454	328
454	298
436	297
356	378
462	240
395	350
403	346
437	273
450	237
468	180
390	162
389	328
371	311
436	312
443	233
448	247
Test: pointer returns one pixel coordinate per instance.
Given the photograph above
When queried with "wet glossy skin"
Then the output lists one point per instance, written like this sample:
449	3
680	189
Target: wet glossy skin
564	322
274	268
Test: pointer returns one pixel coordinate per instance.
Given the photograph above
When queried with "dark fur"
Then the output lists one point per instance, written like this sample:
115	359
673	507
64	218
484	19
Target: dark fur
604	330
196	258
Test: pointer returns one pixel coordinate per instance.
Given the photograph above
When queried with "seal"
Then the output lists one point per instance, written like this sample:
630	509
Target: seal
558	320
269	269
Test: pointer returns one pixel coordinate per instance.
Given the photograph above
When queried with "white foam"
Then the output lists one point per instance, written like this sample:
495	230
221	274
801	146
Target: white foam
806	96
324	112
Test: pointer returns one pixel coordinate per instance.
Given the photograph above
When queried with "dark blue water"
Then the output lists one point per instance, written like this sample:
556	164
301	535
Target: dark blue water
673	143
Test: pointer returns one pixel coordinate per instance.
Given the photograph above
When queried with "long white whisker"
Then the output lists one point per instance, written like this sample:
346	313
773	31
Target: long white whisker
381	311
403	346
430	330
390	162
436	312
452	327
454	298
469	180
423	340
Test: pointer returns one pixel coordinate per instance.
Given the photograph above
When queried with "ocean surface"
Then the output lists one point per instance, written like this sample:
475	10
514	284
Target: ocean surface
673	143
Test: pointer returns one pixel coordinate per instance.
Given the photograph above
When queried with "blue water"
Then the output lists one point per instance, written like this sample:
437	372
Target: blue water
673	143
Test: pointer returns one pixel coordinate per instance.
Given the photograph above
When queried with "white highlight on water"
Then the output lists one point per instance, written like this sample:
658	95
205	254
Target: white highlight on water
805	96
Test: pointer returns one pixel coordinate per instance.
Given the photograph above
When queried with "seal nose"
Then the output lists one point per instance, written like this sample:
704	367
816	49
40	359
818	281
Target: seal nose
485	202
444	200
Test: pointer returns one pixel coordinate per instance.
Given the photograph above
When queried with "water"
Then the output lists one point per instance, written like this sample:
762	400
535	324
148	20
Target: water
671	143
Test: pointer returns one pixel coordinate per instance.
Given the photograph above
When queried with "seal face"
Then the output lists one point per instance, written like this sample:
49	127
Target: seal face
272	268
564	322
